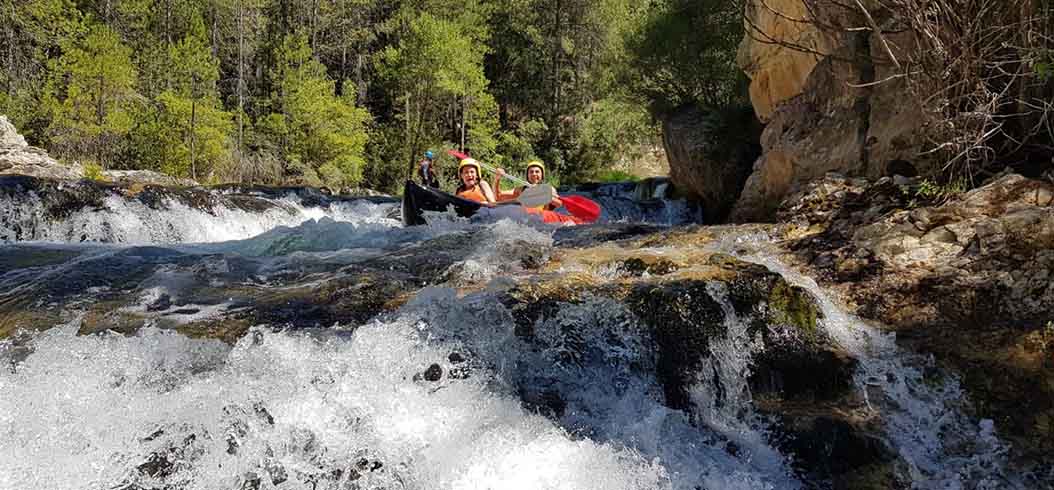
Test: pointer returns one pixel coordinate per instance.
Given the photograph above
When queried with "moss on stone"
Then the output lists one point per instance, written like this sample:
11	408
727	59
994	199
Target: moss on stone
793	305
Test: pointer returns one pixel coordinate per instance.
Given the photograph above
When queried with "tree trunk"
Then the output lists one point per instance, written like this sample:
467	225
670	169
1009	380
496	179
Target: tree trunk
241	81
193	128
9	30
409	138
464	117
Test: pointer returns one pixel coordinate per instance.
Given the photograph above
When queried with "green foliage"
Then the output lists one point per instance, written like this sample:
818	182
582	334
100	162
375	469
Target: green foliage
684	52
614	131
192	135
311	126
350	92
92	95
615	176
436	74
933	191
93	171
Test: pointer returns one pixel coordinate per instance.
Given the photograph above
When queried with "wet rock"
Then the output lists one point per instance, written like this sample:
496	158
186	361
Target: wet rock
966	280
827	446
433	373
583	236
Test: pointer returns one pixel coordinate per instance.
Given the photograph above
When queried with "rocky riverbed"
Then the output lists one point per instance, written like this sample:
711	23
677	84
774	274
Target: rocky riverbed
275	337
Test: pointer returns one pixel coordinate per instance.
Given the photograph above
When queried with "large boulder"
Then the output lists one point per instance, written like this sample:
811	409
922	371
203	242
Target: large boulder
711	152
830	100
9	137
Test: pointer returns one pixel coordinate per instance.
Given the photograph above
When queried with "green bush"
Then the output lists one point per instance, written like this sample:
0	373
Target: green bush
615	176
93	171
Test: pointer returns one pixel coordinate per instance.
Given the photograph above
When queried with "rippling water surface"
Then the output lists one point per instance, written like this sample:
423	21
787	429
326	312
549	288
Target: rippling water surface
430	396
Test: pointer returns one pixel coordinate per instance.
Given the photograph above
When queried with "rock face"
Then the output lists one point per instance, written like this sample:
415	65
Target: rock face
711	154
969	280
9	137
778	72
817	91
17	157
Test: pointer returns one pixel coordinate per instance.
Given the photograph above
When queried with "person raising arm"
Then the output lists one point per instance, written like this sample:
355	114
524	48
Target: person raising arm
535	176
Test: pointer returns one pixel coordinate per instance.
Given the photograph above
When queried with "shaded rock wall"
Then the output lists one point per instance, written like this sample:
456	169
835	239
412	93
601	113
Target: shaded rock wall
711	153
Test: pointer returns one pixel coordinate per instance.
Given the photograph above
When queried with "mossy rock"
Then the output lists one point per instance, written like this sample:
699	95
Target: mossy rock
793	305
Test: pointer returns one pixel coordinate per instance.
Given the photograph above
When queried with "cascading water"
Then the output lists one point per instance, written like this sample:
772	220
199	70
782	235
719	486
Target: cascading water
444	391
118	219
922	407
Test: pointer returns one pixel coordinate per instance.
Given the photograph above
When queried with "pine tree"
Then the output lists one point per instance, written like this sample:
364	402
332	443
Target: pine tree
91	96
197	129
320	135
436	71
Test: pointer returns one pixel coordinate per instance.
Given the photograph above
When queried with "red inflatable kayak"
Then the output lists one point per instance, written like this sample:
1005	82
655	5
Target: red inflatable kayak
554	217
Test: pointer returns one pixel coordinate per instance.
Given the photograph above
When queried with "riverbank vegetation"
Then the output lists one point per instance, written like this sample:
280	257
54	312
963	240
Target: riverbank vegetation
350	92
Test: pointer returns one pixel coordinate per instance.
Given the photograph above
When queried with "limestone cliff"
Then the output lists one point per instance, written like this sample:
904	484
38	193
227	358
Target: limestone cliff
826	97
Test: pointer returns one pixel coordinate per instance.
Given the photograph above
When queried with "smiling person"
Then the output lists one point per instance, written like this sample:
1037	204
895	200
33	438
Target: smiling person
472	186
535	176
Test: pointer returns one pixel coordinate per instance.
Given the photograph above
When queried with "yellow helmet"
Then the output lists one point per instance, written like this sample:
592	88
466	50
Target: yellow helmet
537	163
469	162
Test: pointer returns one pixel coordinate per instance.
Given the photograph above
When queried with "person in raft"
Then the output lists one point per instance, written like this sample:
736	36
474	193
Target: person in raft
427	170
535	175
472	185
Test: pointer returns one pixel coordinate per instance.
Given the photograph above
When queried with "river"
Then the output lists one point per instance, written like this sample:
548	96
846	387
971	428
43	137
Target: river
438	391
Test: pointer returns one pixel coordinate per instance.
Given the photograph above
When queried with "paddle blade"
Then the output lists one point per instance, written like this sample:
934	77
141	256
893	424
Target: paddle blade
539	195
457	154
582	208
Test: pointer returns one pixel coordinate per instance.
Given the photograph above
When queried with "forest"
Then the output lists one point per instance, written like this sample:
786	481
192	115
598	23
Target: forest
350	93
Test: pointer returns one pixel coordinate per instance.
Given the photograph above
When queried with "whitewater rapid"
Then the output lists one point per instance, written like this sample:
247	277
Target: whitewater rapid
429	396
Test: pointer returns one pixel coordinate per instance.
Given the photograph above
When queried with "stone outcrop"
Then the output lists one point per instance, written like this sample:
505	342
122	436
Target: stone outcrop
827	99
18	158
711	153
777	71
969	280
9	137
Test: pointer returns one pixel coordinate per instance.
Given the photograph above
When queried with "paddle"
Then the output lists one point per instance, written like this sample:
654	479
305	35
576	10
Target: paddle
581	207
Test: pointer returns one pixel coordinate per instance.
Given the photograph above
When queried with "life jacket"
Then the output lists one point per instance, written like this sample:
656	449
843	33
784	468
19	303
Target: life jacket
473	194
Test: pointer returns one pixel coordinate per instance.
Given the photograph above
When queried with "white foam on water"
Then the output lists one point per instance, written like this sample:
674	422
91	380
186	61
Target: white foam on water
85	412
600	364
128	221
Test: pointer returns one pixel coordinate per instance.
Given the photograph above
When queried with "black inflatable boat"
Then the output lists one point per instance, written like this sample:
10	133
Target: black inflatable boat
418	199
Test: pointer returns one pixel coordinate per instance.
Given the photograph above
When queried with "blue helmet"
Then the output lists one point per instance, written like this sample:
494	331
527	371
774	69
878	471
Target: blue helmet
428	154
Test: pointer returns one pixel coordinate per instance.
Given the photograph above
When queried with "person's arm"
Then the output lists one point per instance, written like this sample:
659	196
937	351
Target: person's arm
487	192
556	202
501	196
